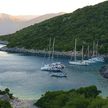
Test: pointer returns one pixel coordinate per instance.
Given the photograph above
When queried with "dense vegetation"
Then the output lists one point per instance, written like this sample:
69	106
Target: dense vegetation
5	103
84	97
87	25
6	91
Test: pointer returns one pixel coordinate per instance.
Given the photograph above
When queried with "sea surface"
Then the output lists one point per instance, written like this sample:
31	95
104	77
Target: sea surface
21	73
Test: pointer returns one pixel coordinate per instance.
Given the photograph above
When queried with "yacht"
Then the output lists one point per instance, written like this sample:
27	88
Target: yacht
78	62
54	66
51	68
95	57
90	61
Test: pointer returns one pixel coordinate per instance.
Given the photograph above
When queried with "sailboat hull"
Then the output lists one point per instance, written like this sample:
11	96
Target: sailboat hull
51	68
80	63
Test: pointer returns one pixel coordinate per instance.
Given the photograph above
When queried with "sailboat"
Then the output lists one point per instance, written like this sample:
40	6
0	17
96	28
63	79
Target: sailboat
54	66
78	62
88	55
95	56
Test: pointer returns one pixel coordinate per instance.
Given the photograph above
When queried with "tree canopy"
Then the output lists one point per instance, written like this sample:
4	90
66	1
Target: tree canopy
87	24
84	97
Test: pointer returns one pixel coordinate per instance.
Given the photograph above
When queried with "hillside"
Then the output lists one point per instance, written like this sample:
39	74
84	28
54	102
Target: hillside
86	24
41	18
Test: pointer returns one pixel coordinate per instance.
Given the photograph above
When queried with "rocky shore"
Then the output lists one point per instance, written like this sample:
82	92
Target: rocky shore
104	71
44	52
18	103
37	52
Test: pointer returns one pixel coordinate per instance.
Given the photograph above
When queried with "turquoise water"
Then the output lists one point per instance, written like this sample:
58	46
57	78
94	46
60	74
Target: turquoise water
21	73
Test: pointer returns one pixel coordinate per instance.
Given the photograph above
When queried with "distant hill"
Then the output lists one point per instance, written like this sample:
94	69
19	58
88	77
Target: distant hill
87	24
10	24
41	18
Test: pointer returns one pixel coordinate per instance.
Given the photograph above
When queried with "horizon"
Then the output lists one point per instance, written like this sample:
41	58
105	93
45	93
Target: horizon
30	14
39	7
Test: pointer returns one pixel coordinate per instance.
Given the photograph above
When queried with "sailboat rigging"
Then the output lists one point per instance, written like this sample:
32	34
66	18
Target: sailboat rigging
54	66
78	62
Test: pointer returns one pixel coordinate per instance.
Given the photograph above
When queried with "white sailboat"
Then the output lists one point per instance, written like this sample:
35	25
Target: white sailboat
95	56
88	55
54	66
78	62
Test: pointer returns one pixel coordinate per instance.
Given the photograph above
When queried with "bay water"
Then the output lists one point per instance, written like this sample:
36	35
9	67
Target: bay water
22	75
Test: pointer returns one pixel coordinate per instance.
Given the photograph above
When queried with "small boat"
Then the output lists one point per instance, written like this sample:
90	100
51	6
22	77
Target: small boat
59	75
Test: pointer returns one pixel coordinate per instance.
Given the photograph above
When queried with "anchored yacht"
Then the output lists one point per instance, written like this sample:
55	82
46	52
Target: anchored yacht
54	66
78	62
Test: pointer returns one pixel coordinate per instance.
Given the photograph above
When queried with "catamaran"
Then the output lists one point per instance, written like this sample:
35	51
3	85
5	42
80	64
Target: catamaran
78	62
54	66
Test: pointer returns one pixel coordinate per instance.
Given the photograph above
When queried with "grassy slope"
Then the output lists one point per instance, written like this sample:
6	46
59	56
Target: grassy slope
86	24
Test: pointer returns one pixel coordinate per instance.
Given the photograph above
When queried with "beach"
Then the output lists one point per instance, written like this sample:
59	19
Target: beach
19	103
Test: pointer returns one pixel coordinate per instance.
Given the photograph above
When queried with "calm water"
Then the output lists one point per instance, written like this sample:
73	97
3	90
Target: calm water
21	73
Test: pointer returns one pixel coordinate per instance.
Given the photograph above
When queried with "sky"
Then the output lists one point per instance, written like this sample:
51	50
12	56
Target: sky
40	7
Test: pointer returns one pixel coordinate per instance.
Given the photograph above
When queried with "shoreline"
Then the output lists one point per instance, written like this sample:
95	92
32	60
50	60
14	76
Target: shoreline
38	52
43	52
22	103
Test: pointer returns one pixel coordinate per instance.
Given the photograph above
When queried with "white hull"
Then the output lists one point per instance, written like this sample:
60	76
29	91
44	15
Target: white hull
80	63
94	60
50	69
54	67
61	75
97	59
89	61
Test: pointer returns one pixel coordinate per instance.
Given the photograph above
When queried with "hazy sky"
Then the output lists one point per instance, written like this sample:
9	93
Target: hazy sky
39	7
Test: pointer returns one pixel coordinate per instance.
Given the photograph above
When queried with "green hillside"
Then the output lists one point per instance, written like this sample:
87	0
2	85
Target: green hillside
86	24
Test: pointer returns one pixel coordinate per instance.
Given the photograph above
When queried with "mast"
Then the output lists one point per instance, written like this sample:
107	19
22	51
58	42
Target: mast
97	48
53	49
82	52
88	53
44	58
49	48
75	50
93	49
